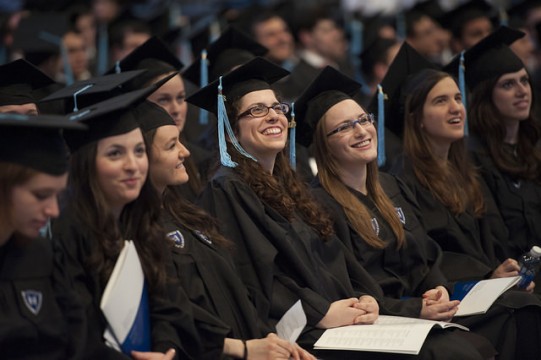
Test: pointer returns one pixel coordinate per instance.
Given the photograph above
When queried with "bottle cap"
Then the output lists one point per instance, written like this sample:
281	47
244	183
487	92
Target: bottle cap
535	251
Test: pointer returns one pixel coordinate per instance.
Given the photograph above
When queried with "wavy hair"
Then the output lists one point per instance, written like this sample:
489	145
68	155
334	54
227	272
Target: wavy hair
283	190
485	122
456	184
139	221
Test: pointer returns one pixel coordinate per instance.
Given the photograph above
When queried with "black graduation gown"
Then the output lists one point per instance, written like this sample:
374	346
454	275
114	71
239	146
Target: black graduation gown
170	314
469	248
281	262
405	272
40	317
519	202
470	245
207	274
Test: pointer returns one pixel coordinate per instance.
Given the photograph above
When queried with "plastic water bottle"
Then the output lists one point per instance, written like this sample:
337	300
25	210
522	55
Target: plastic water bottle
529	264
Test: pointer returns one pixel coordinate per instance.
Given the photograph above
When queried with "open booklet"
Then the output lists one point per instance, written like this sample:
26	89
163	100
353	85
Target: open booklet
125	304
390	334
481	295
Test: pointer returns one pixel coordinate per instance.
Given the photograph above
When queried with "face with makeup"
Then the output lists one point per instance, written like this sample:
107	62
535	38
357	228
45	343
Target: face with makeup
262	137
351	135
444	113
121	167
167	157
512	96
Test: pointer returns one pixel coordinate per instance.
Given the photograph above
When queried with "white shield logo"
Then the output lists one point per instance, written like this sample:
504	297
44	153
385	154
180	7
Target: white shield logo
177	237
401	215
33	300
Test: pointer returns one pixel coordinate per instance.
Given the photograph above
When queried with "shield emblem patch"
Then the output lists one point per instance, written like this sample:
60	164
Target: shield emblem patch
177	237
33	300
401	215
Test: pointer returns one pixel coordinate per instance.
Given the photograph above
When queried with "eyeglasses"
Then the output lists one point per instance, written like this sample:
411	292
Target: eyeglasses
261	110
364	120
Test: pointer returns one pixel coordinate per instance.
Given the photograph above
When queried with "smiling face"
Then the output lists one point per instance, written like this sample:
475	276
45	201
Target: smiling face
512	96
35	201
262	137
171	97
167	159
121	167
355	145
444	113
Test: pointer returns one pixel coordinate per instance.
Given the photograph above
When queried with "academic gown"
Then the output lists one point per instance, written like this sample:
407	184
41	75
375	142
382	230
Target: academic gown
519	201
210	280
469	248
405	272
282	261
171	318
40	317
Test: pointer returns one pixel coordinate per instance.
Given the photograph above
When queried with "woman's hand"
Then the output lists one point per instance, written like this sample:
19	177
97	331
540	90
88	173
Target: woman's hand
506	269
342	312
138	355
371	310
273	347
436	305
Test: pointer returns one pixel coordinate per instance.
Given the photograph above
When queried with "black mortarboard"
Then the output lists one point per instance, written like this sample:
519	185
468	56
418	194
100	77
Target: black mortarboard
522	8
111	117
455	19
84	93
231	49
35	141
153	116
406	63
490	57
18	81
327	89
257	74
153	48
431	8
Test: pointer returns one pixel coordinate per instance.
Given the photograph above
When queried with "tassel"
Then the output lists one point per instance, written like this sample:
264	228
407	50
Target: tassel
381	127
223	122
103	49
292	142
203	81
75	107
400	26
462	85
118	70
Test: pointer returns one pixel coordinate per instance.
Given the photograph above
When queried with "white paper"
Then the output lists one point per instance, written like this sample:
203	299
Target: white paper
479	299
291	324
390	334
120	300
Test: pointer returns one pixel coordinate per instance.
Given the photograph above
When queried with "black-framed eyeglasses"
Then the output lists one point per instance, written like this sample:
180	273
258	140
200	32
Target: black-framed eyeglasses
364	120
261	110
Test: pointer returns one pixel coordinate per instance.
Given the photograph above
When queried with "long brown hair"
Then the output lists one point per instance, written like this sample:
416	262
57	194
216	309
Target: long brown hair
183	211
139	221
456	185
358	215
11	175
485	122
283	190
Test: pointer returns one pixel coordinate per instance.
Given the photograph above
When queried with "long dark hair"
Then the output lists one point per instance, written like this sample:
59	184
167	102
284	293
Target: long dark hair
485	122
139	221
456	185
356	212
183	211
283	190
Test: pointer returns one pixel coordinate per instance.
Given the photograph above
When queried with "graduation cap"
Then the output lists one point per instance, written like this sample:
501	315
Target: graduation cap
456	19
231	49
522	8
155	116
36	141
18	81
257	74
153	48
111	117
389	102
489	58
327	89
84	93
